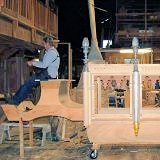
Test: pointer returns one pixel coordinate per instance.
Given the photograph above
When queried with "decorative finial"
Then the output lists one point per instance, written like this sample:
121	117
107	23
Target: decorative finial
135	42
85	46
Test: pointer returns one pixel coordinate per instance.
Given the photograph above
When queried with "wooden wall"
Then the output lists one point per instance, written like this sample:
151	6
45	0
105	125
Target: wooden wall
13	73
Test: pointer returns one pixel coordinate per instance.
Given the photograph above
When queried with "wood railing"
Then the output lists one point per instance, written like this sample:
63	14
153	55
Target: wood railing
25	9
32	13
40	15
11	4
53	27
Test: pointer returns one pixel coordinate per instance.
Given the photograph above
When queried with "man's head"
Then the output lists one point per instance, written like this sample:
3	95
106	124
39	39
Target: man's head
48	42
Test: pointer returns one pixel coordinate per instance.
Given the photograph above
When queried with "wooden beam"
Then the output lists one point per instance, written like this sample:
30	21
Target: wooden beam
10	42
9	52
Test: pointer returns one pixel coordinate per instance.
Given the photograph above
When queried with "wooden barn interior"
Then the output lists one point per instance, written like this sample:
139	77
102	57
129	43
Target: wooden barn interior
23	24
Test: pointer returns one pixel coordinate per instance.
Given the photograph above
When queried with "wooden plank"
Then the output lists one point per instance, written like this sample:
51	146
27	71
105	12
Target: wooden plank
21	138
33	32
1	4
5	26
46	16
11	112
24	33
15	27
33	12
9	12
122	132
31	133
5	76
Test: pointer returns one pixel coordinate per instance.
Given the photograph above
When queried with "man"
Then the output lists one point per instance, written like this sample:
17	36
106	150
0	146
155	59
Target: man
49	69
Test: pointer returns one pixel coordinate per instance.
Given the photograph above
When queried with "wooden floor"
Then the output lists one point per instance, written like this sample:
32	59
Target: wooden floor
72	151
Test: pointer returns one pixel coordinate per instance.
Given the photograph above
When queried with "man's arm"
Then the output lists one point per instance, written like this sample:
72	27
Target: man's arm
47	60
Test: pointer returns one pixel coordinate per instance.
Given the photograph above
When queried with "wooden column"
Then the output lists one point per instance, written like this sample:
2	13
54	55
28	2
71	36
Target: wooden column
94	50
21	138
69	61
31	133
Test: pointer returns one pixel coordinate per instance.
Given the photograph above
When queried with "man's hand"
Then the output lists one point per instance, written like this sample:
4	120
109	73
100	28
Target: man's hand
30	63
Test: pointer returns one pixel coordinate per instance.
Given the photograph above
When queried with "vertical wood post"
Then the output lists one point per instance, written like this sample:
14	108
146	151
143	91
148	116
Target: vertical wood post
21	138
99	94
46	16
1	3
5	76
33	10
63	128
31	133
21	70
69	61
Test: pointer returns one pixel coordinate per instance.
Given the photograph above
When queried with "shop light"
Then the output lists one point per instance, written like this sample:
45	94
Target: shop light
140	51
